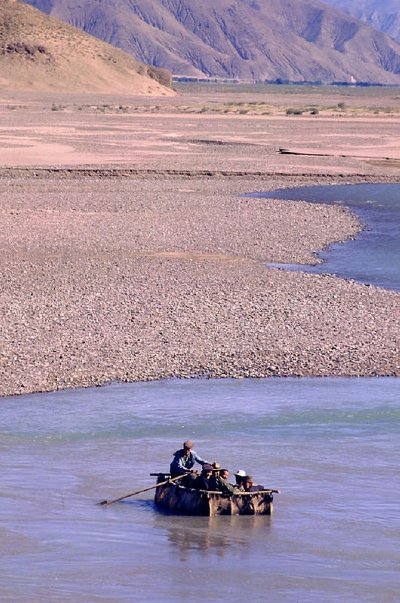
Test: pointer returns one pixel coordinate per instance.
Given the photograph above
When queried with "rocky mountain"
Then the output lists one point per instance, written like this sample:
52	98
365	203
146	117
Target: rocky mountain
380	14
38	52
296	40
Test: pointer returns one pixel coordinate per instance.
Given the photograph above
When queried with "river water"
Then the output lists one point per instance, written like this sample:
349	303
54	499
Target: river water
373	257
331	445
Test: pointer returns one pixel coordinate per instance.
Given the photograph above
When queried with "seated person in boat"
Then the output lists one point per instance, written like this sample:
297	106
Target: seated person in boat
249	486
216	468
221	484
239	475
184	460
204	480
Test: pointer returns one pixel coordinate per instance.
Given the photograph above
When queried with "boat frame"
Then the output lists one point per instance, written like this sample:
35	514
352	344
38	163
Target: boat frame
174	498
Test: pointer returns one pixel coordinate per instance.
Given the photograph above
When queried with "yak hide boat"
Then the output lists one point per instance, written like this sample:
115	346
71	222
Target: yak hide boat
175	498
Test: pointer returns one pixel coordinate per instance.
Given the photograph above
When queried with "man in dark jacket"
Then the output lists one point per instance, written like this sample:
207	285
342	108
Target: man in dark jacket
184	460
203	482
221	484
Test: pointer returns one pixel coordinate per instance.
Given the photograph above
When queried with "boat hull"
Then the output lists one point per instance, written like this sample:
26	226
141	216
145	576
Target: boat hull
177	499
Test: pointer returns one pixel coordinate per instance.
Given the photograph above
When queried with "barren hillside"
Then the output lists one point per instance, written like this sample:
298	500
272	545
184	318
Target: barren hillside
296	40
380	14
38	52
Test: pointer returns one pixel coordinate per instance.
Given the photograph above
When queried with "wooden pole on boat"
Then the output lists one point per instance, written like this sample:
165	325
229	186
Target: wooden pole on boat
265	491
110	502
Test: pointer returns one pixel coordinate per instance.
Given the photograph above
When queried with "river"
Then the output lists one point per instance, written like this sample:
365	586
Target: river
331	445
373	257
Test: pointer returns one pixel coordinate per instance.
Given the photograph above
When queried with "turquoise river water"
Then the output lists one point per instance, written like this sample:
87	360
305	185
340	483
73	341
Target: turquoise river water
373	257
331	446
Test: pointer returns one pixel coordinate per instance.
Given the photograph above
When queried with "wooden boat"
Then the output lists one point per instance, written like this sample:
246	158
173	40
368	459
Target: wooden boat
174	498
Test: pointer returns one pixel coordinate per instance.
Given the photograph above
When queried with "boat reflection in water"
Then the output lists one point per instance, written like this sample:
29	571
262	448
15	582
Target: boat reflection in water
212	535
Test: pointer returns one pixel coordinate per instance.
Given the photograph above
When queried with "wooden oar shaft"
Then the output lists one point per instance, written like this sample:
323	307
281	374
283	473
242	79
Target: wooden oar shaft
110	502
266	491
241	493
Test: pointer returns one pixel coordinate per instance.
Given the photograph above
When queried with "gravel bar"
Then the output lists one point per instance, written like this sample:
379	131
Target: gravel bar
145	276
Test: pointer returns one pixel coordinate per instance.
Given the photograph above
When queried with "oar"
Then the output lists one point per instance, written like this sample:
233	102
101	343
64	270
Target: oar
110	502
269	490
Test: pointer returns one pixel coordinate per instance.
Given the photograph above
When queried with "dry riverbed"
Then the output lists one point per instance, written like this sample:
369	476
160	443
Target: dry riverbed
128	252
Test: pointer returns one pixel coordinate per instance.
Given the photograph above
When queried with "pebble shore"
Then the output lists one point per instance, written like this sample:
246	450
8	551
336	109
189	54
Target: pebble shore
144	277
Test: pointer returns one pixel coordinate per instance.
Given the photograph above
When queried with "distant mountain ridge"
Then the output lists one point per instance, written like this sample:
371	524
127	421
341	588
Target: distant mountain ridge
380	14
295	40
38	52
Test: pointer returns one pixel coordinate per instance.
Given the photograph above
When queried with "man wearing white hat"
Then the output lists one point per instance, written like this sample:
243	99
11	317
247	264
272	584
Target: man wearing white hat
239	475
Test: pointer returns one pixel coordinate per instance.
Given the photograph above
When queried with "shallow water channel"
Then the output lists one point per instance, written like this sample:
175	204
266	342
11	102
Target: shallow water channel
331	445
373	257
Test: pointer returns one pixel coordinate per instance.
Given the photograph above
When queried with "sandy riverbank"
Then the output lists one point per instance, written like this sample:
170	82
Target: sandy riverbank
127	252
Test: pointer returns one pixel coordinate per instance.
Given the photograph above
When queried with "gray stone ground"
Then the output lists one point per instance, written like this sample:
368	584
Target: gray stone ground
140	278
